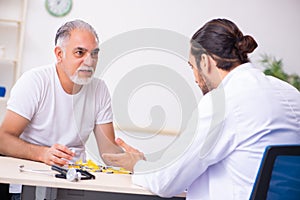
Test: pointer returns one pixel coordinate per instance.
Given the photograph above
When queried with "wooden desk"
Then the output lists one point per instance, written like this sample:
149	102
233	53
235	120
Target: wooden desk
112	186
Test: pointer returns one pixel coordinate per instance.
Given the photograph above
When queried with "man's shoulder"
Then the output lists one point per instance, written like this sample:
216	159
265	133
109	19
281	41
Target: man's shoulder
280	84
43	69
41	72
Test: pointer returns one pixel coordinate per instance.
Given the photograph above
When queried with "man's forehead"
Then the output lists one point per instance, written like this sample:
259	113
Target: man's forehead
82	34
82	42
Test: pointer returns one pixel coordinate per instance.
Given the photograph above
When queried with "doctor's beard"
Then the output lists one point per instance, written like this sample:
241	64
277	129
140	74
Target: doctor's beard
83	80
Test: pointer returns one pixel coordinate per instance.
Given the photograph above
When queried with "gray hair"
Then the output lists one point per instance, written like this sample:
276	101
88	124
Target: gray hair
65	30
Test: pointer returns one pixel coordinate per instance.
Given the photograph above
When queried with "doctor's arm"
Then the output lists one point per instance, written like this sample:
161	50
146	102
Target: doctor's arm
12	145
197	148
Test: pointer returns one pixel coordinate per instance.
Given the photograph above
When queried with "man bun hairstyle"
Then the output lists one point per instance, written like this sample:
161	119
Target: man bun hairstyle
224	42
244	46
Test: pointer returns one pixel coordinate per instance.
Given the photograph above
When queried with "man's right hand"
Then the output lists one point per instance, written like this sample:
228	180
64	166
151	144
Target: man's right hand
57	154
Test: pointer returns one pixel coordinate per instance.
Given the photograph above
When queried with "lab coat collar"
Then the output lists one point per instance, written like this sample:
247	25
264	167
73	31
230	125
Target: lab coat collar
238	69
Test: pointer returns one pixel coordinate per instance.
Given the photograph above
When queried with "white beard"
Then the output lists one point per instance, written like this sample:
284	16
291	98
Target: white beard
82	80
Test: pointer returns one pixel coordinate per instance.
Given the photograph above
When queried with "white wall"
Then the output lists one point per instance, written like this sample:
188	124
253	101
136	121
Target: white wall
274	23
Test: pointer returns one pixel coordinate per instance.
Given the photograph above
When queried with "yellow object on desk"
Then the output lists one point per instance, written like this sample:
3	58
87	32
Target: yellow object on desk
93	167
115	170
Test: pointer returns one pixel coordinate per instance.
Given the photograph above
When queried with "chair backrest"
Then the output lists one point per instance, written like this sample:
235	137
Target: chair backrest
279	174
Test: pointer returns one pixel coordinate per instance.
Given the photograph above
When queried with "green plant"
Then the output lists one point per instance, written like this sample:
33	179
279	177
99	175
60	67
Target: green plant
274	68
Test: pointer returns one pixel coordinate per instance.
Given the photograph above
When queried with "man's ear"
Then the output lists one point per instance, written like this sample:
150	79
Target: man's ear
58	53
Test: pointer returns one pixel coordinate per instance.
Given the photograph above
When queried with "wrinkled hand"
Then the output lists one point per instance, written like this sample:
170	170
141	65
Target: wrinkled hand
127	159
57	154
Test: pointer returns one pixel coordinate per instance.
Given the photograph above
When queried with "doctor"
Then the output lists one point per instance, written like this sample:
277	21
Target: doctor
242	111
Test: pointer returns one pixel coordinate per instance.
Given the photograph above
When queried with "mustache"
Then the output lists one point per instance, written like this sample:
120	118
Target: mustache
85	68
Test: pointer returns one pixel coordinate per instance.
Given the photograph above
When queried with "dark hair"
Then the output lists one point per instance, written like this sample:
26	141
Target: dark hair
224	42
64	31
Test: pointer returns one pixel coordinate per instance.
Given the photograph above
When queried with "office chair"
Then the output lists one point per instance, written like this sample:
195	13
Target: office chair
279	174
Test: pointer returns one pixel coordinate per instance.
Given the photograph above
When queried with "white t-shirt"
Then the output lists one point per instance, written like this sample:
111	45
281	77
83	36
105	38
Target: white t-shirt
235	122
55	116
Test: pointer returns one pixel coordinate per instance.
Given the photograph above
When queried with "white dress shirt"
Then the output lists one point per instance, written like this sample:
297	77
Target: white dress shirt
235	122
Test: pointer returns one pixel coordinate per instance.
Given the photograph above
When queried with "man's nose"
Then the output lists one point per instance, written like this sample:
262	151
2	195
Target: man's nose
89	61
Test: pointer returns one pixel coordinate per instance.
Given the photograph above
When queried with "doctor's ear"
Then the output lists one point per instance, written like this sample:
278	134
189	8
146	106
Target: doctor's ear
204	62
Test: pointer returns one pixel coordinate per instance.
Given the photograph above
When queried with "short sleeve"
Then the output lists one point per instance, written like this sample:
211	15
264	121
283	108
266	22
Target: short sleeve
104	110
24	95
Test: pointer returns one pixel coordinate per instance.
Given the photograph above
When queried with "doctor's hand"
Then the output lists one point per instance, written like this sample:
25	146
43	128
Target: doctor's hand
127	159
57	154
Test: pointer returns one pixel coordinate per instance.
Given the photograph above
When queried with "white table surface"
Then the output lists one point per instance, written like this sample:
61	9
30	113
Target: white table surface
117	183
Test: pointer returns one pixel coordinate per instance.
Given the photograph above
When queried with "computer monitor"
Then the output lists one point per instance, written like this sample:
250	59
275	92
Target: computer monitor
279	174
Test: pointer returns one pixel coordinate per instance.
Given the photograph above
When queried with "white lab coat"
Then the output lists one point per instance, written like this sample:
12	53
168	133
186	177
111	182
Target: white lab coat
234	122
